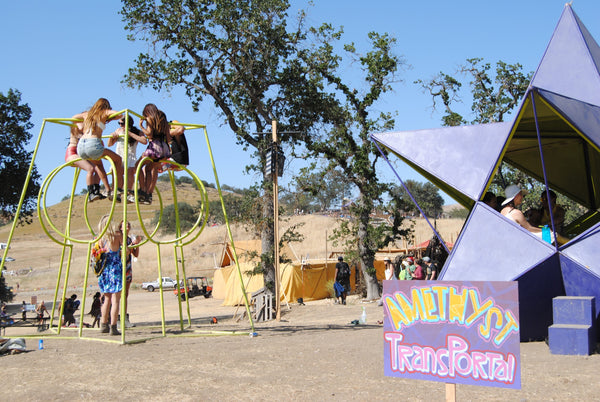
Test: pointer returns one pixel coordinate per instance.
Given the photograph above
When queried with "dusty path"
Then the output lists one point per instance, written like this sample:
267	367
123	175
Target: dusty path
312	354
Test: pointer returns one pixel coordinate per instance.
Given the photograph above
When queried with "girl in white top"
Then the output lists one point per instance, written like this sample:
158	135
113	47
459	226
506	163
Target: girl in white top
135	136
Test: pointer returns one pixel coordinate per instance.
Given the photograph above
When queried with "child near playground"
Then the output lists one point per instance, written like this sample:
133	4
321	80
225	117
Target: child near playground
155	127
135	251
96	309
110	280
91	147
135	136
94	169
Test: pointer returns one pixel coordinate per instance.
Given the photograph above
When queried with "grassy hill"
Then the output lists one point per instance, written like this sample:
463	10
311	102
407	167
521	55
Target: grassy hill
38	258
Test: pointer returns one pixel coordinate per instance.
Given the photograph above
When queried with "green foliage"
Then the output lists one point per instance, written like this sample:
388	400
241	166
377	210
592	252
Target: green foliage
184	180
241	208
426	194
459	213
493	95
231	189
15	159
317	189
6	295
187	217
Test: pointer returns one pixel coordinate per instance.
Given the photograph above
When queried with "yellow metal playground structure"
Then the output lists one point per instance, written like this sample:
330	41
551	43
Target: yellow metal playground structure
67	241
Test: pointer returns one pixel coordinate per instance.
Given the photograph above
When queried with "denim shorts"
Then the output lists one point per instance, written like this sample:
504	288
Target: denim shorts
90	148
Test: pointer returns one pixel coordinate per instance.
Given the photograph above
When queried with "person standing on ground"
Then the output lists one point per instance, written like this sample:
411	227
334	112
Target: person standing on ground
96	310
69	310
389	269
342	276
431	269
419	272
131	241
410	269
110	280
40	309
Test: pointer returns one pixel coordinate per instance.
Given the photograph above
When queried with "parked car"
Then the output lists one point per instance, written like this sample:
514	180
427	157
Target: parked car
167	283
196	286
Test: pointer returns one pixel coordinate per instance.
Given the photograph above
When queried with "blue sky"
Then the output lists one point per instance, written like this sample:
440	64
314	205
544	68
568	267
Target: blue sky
63	55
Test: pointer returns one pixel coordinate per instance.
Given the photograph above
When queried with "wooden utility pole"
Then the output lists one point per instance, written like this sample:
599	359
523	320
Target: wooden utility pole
274	155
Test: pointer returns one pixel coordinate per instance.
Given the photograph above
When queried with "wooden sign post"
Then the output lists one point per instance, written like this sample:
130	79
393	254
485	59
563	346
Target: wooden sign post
276	223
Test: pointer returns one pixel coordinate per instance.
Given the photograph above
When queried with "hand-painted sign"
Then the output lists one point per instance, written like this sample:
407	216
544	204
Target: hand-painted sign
454	332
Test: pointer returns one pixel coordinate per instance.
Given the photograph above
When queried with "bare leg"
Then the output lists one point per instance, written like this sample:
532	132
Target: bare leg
147	169
130	177
105	308
114	310
87	166
118	164
153	177
101	173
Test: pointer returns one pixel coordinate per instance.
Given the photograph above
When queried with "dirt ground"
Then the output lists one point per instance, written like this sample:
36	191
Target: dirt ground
312	353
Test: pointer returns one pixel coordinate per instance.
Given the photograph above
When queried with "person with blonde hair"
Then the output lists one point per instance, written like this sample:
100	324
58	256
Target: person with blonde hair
91	147
94	169
110	280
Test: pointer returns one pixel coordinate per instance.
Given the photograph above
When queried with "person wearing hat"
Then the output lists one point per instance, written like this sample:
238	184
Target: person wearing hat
389	269
514	198
342	279
431	269
403	274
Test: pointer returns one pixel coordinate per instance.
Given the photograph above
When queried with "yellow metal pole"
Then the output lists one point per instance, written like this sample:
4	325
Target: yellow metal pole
23	193
175	247
124	249
162	296
229	234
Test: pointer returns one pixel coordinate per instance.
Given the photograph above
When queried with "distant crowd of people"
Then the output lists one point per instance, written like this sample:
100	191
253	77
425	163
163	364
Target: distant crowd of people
406	268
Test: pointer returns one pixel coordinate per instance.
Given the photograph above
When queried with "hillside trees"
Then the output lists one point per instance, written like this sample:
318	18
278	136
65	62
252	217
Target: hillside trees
5	293
345	114
15	159
187	214
426	195
317	189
